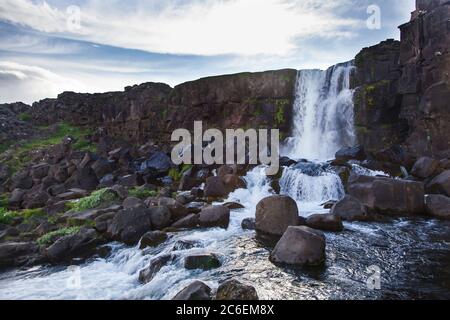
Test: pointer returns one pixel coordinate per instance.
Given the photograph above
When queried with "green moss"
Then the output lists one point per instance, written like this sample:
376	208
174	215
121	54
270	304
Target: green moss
4	200
142	193
176	174
24	116
96	199
7	217
281	109
51	237
32	213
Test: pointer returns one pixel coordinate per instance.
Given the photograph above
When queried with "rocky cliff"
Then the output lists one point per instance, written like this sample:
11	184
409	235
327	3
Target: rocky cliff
402	88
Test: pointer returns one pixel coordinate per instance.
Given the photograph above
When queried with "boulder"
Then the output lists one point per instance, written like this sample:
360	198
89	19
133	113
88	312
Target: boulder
329	204
233	205
389	196
40	171
216	216
440	184
21	180
73	194
146	275
225	170
233	290
325	222
132	202
300	246
103	221
160	217
36	200
202	261
16	198
159	162
86	179
195	291
352	153
425	167
102	167
438	206
196	207
350	209
128	226
131	180
275	214
13	254
153	239
215	188
181	245
83	244
188	222
248	224
233	182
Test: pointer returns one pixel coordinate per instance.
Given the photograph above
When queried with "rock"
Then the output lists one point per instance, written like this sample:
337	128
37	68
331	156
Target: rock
196	291
132	202
159	162
128	226
102	167
184	198
216	216
196	207
440	184
325	222
300	246
248	224
80	245
233	290
286	162
352	153
188	182
275	214
153	239
181	245
131	180
438	206
121	191
73	194
36	200
146	275
107	181
189	222
86	179
16	198
389	196
40	171
202	261
13	254
215	188
233	205
425	167
160	217
21	180
103	221
329	204
177	210
350	209
225	170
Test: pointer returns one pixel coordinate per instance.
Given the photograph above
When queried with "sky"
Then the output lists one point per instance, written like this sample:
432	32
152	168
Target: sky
47	47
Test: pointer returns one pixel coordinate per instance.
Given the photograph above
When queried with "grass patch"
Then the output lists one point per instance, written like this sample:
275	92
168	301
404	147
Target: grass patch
176	174
142	193
51	237
24	116
7	217
95	200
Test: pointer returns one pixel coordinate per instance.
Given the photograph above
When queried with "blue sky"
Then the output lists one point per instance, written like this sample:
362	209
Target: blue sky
44	50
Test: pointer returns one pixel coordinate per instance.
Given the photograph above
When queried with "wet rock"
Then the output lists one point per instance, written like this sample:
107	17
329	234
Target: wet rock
216	216
300	246
146	275
128	226
196	207
275	214
215	188
325	222
195	291
329	204
80	245
286	162
350	209
13	254
202	261
425	167
189	222
438	206
153	239
233	290
440	184
181	245
233	205
248	224
184	198
132	202
352	153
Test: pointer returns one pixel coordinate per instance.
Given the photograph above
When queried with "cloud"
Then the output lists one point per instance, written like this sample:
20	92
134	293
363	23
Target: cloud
246	27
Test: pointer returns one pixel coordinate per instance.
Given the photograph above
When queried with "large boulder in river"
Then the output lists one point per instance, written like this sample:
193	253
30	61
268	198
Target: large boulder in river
300	246
425	167
160	217
195	291
325	222
233	290
352	153
438	206
146	275
153	239
206	261
389	196
128	226
216	216
440	184
350	209
275	214
215	188
13	254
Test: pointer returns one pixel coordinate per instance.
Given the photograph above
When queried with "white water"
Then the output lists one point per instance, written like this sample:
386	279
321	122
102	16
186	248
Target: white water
323	124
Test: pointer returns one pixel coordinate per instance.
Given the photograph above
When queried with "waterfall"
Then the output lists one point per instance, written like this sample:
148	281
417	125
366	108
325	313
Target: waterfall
323	114
323	123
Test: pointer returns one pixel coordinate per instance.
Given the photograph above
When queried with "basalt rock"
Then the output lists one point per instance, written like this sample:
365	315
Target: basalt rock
440	184
195	291
275	214
325	222
438	206
233	290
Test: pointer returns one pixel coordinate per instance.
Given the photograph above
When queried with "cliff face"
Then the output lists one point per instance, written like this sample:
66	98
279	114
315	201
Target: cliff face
152	111
402	88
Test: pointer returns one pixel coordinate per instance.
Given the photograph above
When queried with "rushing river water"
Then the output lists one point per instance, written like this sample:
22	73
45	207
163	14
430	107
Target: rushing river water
412	256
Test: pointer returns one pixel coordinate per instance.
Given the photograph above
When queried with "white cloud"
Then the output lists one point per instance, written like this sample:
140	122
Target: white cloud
201	27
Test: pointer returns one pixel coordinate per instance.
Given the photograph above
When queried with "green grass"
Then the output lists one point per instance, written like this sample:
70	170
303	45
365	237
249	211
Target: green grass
142	193
24	116
7	216
51	237
95	200
176	174
4	200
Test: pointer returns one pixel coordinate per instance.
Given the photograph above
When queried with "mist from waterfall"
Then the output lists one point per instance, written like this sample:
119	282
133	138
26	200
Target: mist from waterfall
323	114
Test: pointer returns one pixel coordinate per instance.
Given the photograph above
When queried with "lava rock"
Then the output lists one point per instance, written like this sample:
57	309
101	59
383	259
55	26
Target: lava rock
350	209
325	222
275	214
248	224
438	206
216	216
153	239
148	274
195	291
128	226
233	290
202	261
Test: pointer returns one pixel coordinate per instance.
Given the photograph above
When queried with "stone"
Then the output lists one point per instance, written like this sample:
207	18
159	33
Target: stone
15	254
182	245
202	261
132	202
188	222
215	188
16	197
196	291
233	290
440	184
325	222
300	246
425	167
275	214
73	194
86	179
160	217
233	205
350	209
159	162
40	171
248	224
153	239
352	153
131	180
102	167
146	275
21	180
438	206
128	226
216	216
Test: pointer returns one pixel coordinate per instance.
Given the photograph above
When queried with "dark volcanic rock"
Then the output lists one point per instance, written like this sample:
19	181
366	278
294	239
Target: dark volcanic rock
350	209
217	216
248	224
233	290
128	226
146	275
215	188
425	167
14	254
195	291
153	239
202	261
440	184
438	206
325	222
352	153
275	214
